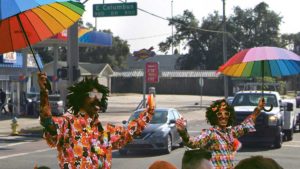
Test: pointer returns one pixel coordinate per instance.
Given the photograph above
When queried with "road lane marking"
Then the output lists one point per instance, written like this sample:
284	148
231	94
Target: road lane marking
294	141
288	145
13	144
22	154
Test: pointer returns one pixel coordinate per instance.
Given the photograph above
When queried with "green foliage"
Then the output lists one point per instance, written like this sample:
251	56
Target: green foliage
116	55
292	41
246	28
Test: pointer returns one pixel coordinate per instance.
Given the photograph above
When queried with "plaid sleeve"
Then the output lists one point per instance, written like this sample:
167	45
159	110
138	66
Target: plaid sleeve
245	127
201	140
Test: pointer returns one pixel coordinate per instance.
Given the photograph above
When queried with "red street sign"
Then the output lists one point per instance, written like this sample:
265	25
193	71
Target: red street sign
152	72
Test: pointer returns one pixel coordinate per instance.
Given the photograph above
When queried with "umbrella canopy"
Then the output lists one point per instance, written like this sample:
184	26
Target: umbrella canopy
100	38
87	37
262	61
40	19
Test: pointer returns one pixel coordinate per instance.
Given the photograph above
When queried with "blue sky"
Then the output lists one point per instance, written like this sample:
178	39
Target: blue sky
144	30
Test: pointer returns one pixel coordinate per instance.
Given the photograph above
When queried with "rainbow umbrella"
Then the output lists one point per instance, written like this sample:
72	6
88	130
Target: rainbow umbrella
24	23
262	61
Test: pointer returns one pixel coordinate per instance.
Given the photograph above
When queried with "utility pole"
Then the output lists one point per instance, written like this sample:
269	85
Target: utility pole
225	50
172	27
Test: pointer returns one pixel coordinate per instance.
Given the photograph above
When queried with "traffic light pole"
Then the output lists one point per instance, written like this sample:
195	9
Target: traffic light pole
72	52
225	50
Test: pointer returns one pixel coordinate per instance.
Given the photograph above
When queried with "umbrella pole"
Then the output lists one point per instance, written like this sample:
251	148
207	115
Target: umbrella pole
262	77
262	87
47	85
27	40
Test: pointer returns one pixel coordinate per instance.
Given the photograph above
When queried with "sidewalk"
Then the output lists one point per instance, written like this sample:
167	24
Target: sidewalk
120	106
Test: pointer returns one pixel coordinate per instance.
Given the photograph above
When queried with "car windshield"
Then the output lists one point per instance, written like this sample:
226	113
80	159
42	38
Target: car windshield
54	97
33	95
252	99
159	117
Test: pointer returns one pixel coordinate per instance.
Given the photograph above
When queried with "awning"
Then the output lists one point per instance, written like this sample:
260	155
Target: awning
15	60
86	36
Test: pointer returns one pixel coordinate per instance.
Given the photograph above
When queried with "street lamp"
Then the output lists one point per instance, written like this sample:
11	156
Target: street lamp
172	27
225	50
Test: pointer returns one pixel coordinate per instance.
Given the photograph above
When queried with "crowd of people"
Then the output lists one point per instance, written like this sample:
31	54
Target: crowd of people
82	141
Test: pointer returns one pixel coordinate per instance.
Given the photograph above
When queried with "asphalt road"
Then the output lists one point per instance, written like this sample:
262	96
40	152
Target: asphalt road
25	152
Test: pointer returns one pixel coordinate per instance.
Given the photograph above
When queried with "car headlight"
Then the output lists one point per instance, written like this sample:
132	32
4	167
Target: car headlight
272	120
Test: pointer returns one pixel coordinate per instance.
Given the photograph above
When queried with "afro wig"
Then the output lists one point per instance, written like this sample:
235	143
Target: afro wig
211	111
79	91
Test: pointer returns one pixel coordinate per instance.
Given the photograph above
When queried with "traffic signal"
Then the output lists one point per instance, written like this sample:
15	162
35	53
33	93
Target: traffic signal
62	73
76	73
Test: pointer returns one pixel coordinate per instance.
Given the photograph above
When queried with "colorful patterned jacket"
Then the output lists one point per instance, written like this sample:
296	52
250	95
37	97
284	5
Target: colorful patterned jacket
82	143
220	142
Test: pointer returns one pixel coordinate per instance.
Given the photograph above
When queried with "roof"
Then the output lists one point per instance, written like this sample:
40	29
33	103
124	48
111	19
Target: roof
257	92
166	62
89	39
173	73
96	68
86	68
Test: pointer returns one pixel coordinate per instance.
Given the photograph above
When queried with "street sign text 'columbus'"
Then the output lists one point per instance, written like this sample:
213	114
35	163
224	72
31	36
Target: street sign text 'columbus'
115	9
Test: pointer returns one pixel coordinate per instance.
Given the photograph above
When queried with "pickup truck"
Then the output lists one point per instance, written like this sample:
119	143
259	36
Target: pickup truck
271	127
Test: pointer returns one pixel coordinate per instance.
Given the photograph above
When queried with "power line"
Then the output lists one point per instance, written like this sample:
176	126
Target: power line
147	37
160	17
196	28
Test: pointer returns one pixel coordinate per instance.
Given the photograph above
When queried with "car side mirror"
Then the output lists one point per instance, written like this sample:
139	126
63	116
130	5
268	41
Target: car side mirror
172	121
124	122
289	106
281	108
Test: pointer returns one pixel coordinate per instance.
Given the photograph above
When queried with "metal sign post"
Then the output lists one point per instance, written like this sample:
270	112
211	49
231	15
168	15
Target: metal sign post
201	83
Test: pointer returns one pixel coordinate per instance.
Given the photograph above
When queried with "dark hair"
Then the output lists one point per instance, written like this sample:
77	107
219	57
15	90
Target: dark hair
211	111
160	164
258	162
79	91
43	167
192	157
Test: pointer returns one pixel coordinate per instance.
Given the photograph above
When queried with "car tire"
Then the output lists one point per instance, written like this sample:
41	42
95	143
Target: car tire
123	152
289	135
181	144
169	145
278	141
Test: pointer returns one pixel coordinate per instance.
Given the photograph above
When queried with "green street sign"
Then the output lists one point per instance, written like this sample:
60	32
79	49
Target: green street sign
115	9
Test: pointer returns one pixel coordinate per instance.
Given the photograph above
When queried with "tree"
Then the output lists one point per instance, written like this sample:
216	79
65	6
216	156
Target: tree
116	55
256	27
246	28
292	42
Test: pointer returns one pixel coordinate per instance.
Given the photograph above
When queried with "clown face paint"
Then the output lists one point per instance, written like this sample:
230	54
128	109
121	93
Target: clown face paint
223	117
92	104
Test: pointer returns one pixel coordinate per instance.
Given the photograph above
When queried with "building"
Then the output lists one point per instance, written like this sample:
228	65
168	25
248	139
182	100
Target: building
100	70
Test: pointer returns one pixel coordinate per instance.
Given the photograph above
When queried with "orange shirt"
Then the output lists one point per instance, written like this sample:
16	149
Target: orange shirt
82	143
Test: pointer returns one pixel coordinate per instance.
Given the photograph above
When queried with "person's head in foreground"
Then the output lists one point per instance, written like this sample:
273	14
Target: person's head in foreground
196	159
220	113
162	165
258	162
87	96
